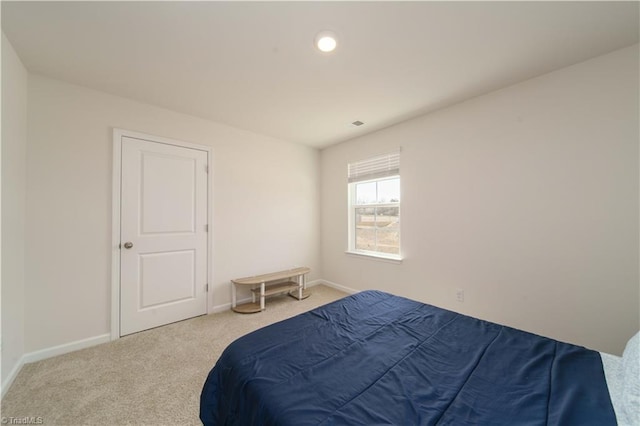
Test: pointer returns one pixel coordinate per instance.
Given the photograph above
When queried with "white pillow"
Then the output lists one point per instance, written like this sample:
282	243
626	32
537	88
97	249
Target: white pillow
631	382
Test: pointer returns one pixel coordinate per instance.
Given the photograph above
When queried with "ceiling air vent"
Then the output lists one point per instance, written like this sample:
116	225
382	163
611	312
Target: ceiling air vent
357	123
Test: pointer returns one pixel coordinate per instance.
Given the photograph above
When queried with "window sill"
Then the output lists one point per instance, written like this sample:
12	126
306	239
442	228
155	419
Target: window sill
390	258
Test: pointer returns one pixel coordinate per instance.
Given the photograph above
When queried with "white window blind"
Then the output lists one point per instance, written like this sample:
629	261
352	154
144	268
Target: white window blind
375	167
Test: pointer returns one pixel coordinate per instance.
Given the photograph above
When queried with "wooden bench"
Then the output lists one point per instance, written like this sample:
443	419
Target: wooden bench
270	284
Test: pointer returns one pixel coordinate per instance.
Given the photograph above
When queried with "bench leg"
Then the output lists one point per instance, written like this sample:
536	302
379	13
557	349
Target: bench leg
262	296
300	284
233	295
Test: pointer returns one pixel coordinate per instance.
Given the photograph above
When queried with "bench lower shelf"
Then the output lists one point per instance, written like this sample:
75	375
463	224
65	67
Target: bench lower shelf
247	308
254	307
272	289
305	293
290	287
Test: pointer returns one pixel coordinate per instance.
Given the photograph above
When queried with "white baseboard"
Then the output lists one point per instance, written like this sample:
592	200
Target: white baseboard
348	290
104	338
51	352
227	306
219	308
12	376
314	283
66	348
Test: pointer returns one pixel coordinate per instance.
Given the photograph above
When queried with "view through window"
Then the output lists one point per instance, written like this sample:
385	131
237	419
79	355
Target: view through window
374	203
377	216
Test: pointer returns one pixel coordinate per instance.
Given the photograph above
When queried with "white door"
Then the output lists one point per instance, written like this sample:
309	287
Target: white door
163	234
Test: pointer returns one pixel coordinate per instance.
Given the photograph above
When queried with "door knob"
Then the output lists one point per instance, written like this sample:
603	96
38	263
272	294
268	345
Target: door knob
128	245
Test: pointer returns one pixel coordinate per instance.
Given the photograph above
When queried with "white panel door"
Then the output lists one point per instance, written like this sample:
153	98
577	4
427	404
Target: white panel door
163	234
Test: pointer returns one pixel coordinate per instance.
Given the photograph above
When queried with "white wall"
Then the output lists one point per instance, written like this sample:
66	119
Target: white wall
266	196
14	163
526	198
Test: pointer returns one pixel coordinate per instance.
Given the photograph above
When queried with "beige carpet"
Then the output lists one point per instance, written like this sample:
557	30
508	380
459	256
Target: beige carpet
152	378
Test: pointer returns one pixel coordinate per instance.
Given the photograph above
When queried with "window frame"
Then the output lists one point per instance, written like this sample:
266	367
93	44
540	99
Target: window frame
352	227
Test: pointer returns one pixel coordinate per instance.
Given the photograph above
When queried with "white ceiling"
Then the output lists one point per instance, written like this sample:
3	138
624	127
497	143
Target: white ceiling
252	65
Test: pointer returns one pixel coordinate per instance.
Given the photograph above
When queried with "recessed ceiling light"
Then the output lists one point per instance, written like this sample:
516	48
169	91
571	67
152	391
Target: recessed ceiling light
326	41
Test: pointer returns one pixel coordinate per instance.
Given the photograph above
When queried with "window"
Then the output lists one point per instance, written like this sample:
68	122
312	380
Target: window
374	206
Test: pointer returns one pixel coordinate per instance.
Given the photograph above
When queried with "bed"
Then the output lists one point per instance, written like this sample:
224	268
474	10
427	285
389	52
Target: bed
378	359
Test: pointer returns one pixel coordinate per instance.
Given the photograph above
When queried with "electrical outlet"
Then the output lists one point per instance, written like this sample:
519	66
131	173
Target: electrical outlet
460	295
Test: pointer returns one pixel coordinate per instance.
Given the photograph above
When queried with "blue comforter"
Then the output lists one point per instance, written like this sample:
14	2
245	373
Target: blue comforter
378	359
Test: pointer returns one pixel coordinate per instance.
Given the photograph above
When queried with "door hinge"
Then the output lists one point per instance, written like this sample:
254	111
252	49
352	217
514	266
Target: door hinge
206	168
206	287
206	228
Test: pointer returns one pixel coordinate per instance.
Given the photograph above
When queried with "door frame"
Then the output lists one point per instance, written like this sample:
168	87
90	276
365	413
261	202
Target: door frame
118	134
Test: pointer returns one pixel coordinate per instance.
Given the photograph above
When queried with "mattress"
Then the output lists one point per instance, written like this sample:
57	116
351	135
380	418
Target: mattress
374	358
